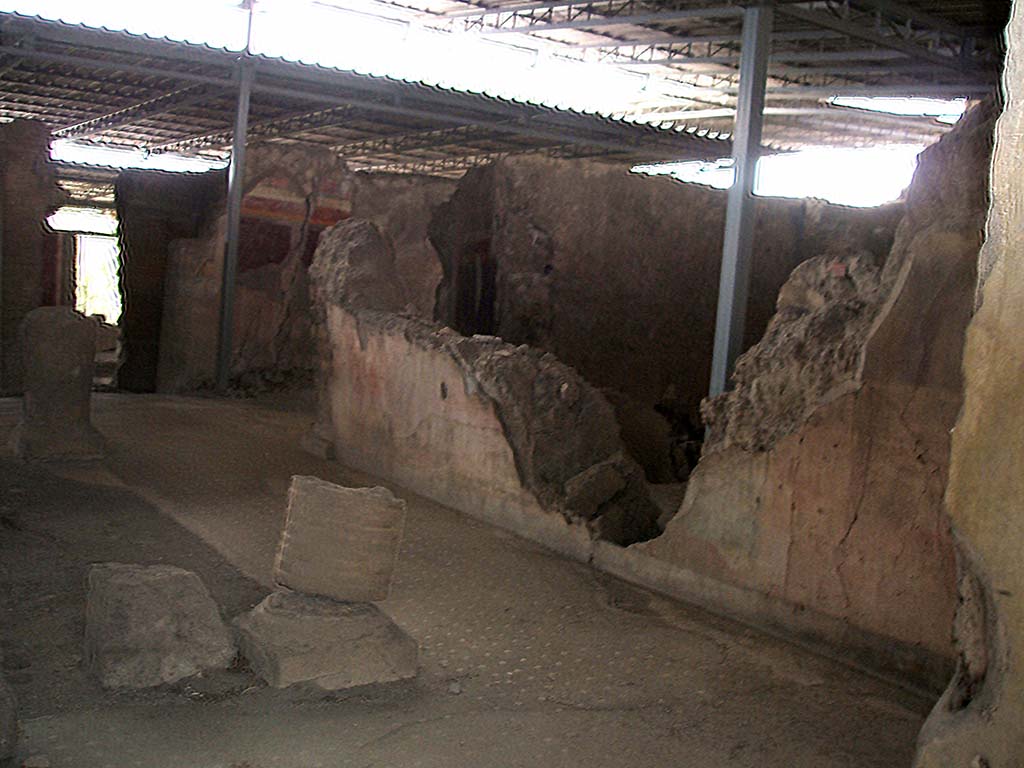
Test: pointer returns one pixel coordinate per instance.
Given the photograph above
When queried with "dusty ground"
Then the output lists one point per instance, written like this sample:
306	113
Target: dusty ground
527	659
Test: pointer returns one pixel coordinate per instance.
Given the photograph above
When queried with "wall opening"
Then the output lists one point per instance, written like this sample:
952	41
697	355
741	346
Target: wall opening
475	290
90	280
97	277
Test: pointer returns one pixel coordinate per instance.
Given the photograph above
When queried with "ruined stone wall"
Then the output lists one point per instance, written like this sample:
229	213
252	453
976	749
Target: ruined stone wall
617	274
823	473
402	206
28	194
980	719
153	209
291	196
506	433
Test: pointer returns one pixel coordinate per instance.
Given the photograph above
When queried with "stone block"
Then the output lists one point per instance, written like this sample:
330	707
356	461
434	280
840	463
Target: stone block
149	625
58	349
340	543
587	491
8	722
291	638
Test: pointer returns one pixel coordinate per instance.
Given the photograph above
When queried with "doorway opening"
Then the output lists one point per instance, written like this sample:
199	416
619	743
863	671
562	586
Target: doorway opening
97	277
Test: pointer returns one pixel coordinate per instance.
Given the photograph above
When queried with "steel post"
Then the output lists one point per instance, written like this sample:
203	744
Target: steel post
734	280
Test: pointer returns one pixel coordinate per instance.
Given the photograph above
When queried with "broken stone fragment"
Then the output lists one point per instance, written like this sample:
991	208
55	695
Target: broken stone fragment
8	722
291	638
587	491
59	349
149	625
338	542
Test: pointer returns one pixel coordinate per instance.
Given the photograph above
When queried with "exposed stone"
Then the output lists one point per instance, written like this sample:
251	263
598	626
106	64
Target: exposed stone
290	638
355	266
822	478
8	722
809	355
28	194
592	487
617	275
338	542
59	347
401	205
980	718
472	422
149	625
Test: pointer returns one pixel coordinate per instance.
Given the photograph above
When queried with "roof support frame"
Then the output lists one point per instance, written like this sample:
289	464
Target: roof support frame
857	31
639	19
295	83
264	129
537	17
179	97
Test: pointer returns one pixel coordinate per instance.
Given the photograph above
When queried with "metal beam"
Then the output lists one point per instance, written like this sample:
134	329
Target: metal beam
129	115
236	182
914	16
404	141
792	57
859	32
621	138
265	129
541	6
447	165
734	279
684	115
724	37
637	19
61	58
815	92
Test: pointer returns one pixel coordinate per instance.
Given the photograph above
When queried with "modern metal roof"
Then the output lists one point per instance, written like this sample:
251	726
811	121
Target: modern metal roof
933	48
116	89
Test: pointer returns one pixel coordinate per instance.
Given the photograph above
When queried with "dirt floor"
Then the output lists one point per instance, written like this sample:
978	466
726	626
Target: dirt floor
526	659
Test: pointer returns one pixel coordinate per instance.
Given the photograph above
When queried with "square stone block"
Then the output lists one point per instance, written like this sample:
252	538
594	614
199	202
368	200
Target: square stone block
291	638
58	349
338	542
148	625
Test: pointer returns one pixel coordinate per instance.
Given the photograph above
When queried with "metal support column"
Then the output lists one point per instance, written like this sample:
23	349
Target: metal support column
236	184
734	282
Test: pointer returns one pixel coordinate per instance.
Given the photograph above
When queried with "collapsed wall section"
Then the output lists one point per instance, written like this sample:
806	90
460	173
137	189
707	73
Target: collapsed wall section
291	196
822	477
506	433
617	274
